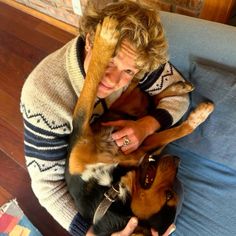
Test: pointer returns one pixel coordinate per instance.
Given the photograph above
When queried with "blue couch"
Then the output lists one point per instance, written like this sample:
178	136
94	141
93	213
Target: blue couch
205	53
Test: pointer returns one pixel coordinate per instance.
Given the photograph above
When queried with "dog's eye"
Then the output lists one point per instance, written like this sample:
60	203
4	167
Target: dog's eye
169	195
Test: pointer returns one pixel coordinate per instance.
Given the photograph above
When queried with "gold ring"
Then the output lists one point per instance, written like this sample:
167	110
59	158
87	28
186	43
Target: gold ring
126	141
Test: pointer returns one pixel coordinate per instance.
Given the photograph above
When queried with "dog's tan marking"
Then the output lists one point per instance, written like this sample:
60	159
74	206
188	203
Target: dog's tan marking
86	154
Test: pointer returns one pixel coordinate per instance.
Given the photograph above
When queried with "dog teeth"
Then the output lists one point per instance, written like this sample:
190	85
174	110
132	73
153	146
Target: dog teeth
150	159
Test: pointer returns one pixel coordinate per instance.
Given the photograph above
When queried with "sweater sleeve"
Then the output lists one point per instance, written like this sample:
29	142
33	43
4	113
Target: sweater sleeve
170	109
47	101
45	159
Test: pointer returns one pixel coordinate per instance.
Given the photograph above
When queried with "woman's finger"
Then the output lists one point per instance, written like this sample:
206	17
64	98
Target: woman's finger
129	228
170	230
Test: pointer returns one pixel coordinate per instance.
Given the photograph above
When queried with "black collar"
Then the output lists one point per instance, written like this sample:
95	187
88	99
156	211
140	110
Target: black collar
80	54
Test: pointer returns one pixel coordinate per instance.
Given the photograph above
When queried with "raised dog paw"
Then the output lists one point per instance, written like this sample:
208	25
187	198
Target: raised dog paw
109	32
183	87
106	36
200	114
179	88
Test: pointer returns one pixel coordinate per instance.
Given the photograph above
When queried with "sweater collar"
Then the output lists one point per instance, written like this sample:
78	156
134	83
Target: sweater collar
75	64
80	54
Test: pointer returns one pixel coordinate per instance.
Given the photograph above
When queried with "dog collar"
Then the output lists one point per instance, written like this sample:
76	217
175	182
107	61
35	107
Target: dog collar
110	196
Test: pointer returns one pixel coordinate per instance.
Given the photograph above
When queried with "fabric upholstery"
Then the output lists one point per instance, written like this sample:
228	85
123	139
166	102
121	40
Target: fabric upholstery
192	39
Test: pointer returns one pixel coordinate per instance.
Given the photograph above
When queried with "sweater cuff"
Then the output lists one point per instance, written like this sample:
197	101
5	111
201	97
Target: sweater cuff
79	226
163	117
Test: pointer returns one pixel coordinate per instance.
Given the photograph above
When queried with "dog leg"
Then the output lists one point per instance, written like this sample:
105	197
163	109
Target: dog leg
105	41
177	89
196	117
82	147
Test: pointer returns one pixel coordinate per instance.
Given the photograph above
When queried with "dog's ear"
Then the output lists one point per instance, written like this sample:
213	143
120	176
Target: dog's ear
163	219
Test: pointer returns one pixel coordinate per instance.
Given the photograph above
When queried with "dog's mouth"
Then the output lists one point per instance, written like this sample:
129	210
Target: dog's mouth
148	169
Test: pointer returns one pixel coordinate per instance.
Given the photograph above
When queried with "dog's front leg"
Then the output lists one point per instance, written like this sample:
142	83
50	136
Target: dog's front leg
105	41
82	147
196	117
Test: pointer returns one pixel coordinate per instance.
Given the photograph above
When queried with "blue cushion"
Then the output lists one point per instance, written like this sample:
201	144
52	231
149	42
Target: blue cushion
216	138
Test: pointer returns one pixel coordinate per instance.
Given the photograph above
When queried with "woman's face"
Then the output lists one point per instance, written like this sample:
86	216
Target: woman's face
119	72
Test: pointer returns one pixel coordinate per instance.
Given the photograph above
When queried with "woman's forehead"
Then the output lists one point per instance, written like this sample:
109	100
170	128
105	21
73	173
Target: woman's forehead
126	52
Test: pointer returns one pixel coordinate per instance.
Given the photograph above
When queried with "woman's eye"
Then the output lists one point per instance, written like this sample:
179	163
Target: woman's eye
129	72
169	195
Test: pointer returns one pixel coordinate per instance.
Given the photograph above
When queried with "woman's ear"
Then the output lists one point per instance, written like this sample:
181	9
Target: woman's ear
88	44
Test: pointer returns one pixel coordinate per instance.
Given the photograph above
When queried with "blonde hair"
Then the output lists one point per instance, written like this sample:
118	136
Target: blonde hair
138	24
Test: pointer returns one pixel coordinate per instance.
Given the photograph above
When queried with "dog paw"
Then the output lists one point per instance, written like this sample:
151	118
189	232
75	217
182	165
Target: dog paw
107	34
200	114
185	87
182	87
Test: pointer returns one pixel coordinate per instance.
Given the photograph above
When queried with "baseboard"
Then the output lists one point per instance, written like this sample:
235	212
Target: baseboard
57	23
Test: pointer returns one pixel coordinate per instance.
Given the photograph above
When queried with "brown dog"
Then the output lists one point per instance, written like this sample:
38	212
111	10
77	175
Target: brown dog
109	187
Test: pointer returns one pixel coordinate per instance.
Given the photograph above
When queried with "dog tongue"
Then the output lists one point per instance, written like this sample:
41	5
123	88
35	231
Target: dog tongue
148	172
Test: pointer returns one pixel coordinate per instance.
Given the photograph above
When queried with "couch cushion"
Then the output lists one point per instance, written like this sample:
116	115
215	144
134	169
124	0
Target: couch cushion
216	138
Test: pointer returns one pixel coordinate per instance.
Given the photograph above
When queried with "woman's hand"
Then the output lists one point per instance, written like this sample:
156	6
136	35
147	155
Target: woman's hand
132	133
132	224
130	227
169	231
128	230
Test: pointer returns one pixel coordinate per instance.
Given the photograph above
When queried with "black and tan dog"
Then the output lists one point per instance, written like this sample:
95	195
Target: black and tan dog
109	187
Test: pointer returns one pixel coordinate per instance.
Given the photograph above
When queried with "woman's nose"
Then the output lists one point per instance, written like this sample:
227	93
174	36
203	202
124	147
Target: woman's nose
114	74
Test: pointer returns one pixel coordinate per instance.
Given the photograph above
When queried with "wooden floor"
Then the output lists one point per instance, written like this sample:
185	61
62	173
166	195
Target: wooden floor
24	41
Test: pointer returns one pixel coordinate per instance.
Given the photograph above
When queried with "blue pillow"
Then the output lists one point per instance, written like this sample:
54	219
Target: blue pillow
216	138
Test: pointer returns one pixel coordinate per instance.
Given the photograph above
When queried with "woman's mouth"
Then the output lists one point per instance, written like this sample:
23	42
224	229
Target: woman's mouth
105	86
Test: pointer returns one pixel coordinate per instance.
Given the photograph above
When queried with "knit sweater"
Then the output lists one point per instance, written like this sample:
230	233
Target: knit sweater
48	98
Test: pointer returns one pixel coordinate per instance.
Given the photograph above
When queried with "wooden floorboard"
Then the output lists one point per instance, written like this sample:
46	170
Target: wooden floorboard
28	52
24	42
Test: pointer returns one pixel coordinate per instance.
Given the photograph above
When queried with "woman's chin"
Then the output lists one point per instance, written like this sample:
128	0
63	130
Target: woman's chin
102	93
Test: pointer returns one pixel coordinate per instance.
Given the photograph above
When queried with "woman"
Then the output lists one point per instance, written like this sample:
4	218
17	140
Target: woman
52	89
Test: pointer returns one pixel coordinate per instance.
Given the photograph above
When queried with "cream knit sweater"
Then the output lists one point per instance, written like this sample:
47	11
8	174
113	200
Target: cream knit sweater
47	102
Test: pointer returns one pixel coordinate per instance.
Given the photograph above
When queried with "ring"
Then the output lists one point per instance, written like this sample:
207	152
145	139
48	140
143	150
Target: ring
126	141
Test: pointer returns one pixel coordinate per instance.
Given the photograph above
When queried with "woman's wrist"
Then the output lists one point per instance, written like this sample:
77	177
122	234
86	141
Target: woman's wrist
150	124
